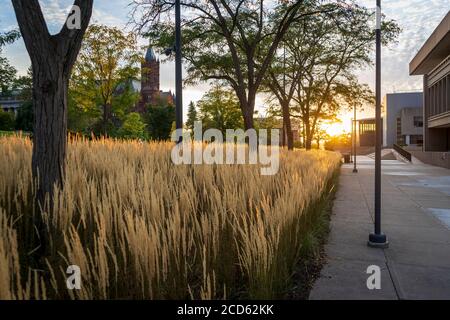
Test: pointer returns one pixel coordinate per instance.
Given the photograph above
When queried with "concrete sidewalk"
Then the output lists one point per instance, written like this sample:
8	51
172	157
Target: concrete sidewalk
416	219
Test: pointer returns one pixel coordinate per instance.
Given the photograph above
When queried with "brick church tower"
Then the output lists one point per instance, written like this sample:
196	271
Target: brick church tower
150	86
150	92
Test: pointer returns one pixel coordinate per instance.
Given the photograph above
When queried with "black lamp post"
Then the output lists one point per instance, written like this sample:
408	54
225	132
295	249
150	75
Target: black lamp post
355	170
178	69
378	239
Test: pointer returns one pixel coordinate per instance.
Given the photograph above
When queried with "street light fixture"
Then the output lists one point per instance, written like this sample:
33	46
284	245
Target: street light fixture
355	170
378	239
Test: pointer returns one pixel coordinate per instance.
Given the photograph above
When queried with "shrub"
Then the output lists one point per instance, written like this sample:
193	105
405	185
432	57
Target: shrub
159	120
6	120
133	127
25	117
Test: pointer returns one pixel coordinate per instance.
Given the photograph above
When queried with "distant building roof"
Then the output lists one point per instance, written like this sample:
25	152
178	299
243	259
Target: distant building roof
435	49
405	93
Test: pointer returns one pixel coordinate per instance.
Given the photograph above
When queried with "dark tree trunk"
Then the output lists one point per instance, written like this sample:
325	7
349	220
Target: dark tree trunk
287	125
247	108
106	114
283	137
50	127
303	135
308	131
308	137
52	58
248	120
308	142
250	109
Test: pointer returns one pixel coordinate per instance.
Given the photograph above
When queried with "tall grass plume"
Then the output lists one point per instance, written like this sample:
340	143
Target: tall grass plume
140	227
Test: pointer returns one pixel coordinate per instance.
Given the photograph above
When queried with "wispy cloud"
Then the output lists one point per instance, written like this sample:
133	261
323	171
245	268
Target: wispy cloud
418	19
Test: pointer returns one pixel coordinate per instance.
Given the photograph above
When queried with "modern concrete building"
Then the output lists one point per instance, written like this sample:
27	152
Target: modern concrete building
433	62
402	122
365	134
411	127
403	119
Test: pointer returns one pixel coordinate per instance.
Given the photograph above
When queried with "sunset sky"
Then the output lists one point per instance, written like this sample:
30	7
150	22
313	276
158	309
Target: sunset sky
418	18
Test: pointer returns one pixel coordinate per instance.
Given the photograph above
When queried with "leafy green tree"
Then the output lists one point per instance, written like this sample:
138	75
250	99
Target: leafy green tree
191	116
9	37
160	119
230	41
101	81
84	117
6	120
270	120
7	72
133	127
315	74
219	109
7	76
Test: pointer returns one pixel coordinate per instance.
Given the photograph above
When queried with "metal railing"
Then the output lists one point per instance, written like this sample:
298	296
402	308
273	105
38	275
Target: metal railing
405	154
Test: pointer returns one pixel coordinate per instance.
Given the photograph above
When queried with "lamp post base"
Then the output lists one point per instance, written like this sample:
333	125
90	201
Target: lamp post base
355	170
378	241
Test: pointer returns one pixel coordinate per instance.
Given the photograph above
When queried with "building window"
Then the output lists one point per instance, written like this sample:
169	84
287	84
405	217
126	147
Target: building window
418	122
438	95
400	138
416	139
365	128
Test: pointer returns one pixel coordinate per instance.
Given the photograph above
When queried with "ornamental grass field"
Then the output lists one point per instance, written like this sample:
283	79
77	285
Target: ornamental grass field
140	227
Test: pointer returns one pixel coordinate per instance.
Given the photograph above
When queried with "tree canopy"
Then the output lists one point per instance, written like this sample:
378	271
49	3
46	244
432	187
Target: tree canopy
133	127
101	83
192	116
229	41
314	75
219	109
160	119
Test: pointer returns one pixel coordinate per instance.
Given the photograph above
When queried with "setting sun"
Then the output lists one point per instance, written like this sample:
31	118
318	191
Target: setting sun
343	125
335	129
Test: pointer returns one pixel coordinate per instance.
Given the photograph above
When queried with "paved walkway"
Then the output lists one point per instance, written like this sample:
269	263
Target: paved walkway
416	219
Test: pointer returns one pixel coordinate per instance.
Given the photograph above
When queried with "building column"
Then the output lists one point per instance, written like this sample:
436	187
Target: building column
426	112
